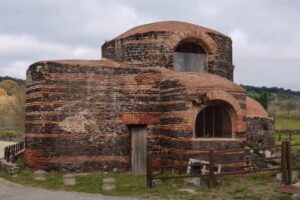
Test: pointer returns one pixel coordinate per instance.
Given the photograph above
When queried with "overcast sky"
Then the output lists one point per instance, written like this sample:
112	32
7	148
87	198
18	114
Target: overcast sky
265	33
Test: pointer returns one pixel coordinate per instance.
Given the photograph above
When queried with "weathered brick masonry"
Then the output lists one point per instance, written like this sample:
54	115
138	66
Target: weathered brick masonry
74	111
154	45
79	113
260	128
260	131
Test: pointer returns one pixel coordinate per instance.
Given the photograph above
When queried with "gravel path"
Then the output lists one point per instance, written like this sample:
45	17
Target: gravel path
3	144
12	191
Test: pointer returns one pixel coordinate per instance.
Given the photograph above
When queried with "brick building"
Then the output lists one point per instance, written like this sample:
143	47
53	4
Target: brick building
161	88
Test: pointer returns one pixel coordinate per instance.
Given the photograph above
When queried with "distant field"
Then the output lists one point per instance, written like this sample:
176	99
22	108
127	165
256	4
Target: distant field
288	124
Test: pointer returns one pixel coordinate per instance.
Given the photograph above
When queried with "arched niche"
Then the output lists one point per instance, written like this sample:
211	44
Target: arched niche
190	56
215	120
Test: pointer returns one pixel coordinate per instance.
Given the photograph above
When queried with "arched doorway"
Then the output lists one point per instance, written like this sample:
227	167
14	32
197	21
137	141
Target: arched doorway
190	57
213	121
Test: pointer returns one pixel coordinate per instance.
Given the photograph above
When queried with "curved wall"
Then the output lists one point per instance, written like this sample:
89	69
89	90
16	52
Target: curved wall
78	113
74	113
156	48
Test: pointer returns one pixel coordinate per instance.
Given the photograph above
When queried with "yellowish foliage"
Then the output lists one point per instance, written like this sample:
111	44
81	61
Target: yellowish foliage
12	111
11	83
2	92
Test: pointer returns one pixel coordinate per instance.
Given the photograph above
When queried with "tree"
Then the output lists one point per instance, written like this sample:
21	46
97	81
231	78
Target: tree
263	100
289	106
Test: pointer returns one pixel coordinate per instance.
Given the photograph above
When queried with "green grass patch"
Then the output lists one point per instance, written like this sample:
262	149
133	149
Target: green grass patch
287	124
7	132
126	185
25	177
286	197
295	140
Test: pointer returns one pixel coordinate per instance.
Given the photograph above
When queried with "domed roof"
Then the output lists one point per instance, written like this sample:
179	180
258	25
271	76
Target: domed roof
255	109
200	80
87	63
168	26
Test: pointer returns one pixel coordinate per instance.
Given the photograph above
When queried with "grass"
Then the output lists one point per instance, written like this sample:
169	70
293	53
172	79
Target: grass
295	138
25	177
127	184
287	123
7	132
237	187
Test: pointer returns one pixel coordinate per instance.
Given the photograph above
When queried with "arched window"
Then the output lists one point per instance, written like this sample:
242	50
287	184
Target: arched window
213	121
190	57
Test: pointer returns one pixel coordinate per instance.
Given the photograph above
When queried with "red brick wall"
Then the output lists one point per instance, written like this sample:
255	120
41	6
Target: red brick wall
74	113
77	113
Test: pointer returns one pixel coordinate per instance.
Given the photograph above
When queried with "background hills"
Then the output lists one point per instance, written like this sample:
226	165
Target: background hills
12	104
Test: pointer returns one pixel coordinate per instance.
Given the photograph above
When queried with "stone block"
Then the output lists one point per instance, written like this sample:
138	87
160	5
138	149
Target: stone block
188	190
278	177
295	175
40	175
156	182
193	181
11	168
115	170
109	184
297	185
69	180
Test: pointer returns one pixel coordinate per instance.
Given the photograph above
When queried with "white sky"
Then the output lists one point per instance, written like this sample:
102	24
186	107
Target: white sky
265	33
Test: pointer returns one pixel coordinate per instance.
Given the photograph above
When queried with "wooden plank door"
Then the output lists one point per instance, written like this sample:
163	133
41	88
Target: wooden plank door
138	149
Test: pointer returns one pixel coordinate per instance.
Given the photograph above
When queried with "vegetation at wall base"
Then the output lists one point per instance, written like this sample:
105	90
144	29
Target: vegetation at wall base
252	186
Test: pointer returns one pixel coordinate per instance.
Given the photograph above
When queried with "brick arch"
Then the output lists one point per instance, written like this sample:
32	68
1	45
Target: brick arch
200	38
238	124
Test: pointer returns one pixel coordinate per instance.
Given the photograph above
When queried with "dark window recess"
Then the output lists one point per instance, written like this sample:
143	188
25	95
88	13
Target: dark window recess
213	121
190	57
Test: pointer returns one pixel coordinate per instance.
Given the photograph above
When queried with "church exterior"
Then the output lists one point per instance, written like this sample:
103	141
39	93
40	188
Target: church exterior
164	88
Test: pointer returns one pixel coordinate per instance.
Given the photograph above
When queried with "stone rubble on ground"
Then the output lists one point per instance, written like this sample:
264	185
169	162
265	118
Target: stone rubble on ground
193	181
156	182
11	168
189	190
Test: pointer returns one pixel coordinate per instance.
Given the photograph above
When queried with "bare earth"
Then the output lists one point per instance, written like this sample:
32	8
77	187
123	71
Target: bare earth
3	144
12	191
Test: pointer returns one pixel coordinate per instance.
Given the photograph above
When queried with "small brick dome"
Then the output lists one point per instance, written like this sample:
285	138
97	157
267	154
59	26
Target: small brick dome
167	26
255	109
203	81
